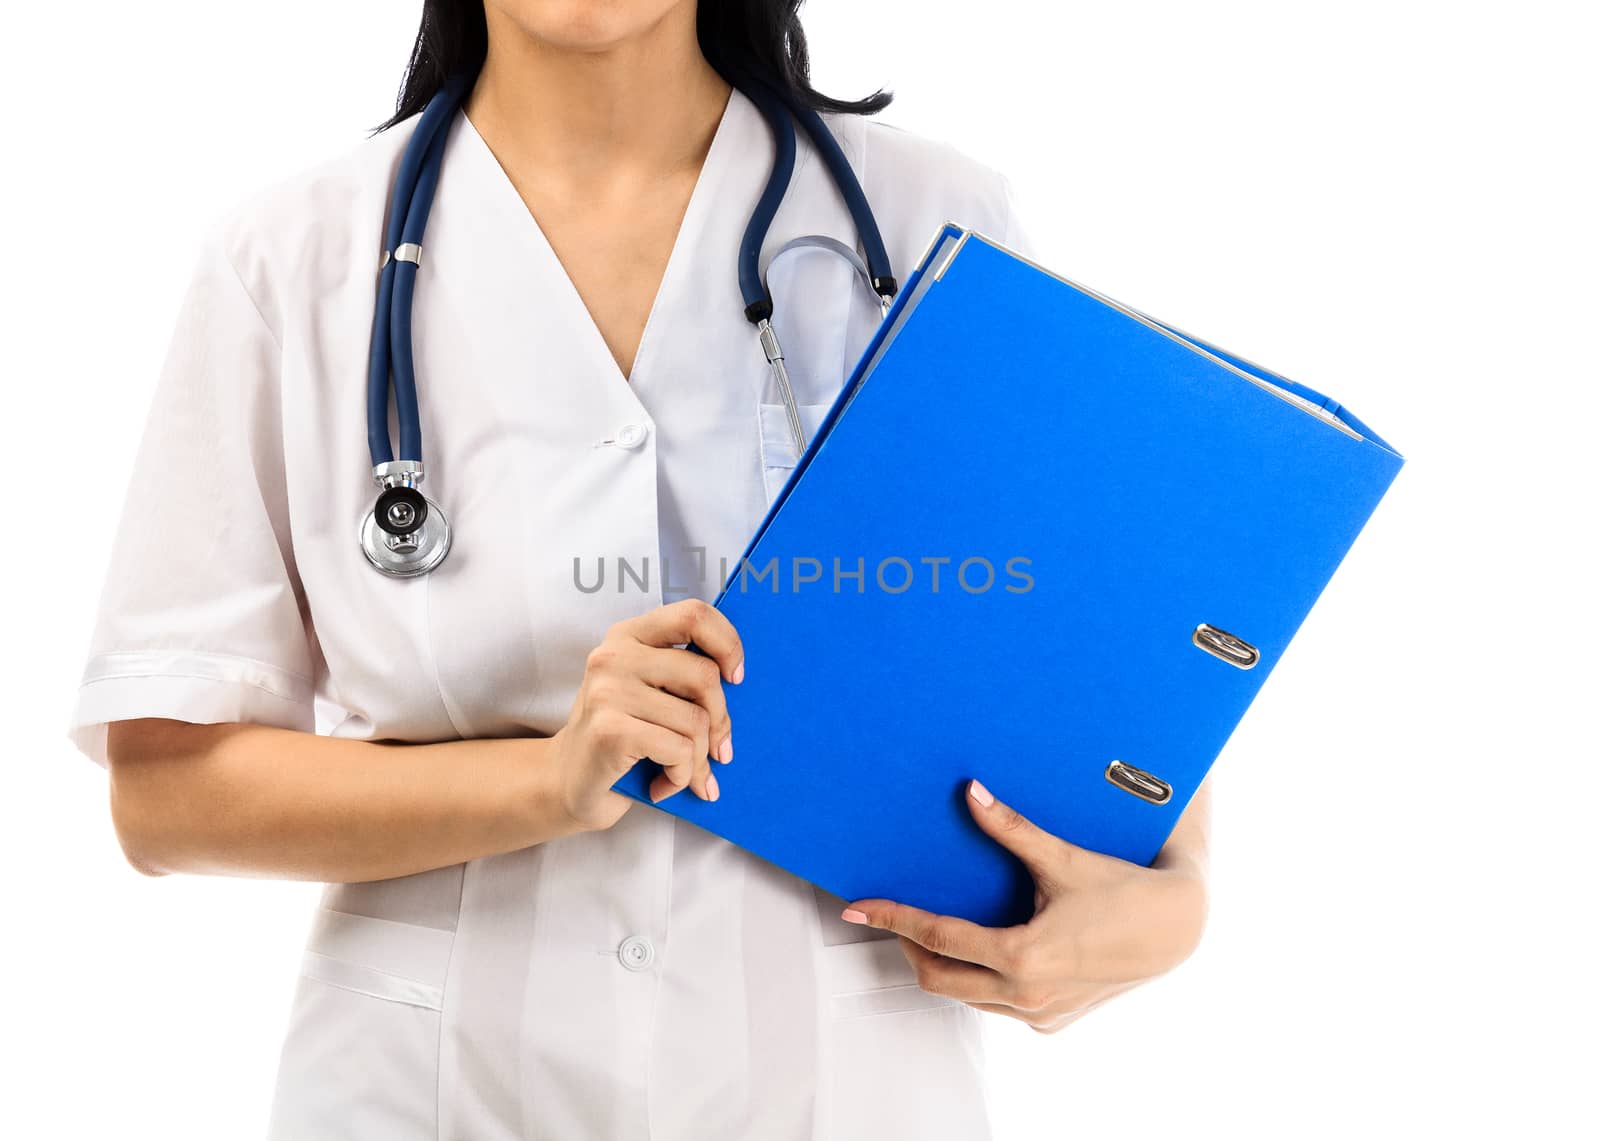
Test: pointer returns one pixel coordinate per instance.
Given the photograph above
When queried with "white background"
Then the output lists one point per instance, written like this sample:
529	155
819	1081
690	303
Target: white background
1392	202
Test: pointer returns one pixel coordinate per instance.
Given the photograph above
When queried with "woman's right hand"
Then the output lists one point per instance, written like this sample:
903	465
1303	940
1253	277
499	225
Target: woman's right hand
643	696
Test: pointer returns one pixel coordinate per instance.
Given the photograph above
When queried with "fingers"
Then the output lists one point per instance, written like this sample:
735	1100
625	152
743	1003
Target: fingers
1053	862
1046	1009
947	935
968	982
689	721
696	679
956	978
639	672
683	762
696	622
671	712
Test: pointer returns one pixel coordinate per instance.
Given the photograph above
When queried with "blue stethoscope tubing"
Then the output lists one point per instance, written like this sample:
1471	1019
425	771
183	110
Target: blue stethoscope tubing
777	111
389	545
412	199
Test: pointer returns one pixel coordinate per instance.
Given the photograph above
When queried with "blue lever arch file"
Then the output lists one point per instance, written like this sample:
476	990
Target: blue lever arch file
1040	539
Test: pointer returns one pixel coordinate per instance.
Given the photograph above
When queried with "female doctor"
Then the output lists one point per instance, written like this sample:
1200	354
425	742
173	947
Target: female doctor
505	947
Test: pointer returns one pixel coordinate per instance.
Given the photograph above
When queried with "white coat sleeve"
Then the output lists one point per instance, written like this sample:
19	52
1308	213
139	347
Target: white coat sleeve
1015	234
201	616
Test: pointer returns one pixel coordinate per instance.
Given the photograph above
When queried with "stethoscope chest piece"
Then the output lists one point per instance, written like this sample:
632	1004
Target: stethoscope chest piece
405	533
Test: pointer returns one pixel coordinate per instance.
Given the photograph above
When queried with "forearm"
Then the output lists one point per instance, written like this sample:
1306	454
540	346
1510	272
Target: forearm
253	800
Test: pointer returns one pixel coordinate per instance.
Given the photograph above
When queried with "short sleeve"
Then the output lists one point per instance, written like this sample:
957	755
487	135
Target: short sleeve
201	616
1016	234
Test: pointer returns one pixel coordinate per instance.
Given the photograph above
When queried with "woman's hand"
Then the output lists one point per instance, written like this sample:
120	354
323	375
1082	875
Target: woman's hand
1101	925
642	696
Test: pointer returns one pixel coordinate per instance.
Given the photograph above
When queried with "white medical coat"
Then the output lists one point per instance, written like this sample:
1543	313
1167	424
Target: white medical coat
648	981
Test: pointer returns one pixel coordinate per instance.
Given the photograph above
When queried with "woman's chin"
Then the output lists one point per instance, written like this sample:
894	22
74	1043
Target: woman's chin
584	25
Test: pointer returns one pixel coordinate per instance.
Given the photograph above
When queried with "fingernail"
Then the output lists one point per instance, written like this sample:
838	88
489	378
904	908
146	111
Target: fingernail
982	795
851	915
711	787
738	673
725	750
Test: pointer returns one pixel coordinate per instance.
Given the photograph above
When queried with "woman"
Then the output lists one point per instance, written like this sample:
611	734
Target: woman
506	947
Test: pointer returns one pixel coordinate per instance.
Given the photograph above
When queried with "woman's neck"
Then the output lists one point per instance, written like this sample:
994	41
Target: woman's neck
593	119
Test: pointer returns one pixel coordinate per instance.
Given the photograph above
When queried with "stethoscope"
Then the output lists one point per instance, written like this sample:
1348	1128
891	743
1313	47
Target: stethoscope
406	534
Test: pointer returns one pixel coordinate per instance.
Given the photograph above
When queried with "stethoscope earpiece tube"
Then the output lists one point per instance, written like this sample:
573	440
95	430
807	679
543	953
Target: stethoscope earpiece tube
757	301
777	110
844	177
855	198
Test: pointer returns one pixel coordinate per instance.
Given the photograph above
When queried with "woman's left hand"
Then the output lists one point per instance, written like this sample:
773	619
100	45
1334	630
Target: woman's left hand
1101	925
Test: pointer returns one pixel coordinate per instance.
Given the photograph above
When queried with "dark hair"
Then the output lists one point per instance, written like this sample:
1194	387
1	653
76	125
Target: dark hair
758	37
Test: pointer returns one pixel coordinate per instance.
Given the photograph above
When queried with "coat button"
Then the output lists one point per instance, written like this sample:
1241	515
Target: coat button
636	952
631	435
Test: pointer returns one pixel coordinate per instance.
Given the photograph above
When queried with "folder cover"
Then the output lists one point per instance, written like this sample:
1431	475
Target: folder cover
1040	539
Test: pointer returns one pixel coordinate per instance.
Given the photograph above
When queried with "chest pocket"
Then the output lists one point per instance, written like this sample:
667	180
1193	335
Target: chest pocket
863	969
778	454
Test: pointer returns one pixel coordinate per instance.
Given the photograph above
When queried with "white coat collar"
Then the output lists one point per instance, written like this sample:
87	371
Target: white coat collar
494	264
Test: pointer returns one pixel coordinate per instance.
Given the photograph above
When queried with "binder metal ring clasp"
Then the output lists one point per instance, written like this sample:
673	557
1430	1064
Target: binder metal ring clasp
1146	786
1221	644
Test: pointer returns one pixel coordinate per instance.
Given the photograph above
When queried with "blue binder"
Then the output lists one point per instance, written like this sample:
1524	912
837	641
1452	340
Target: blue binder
1134	524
